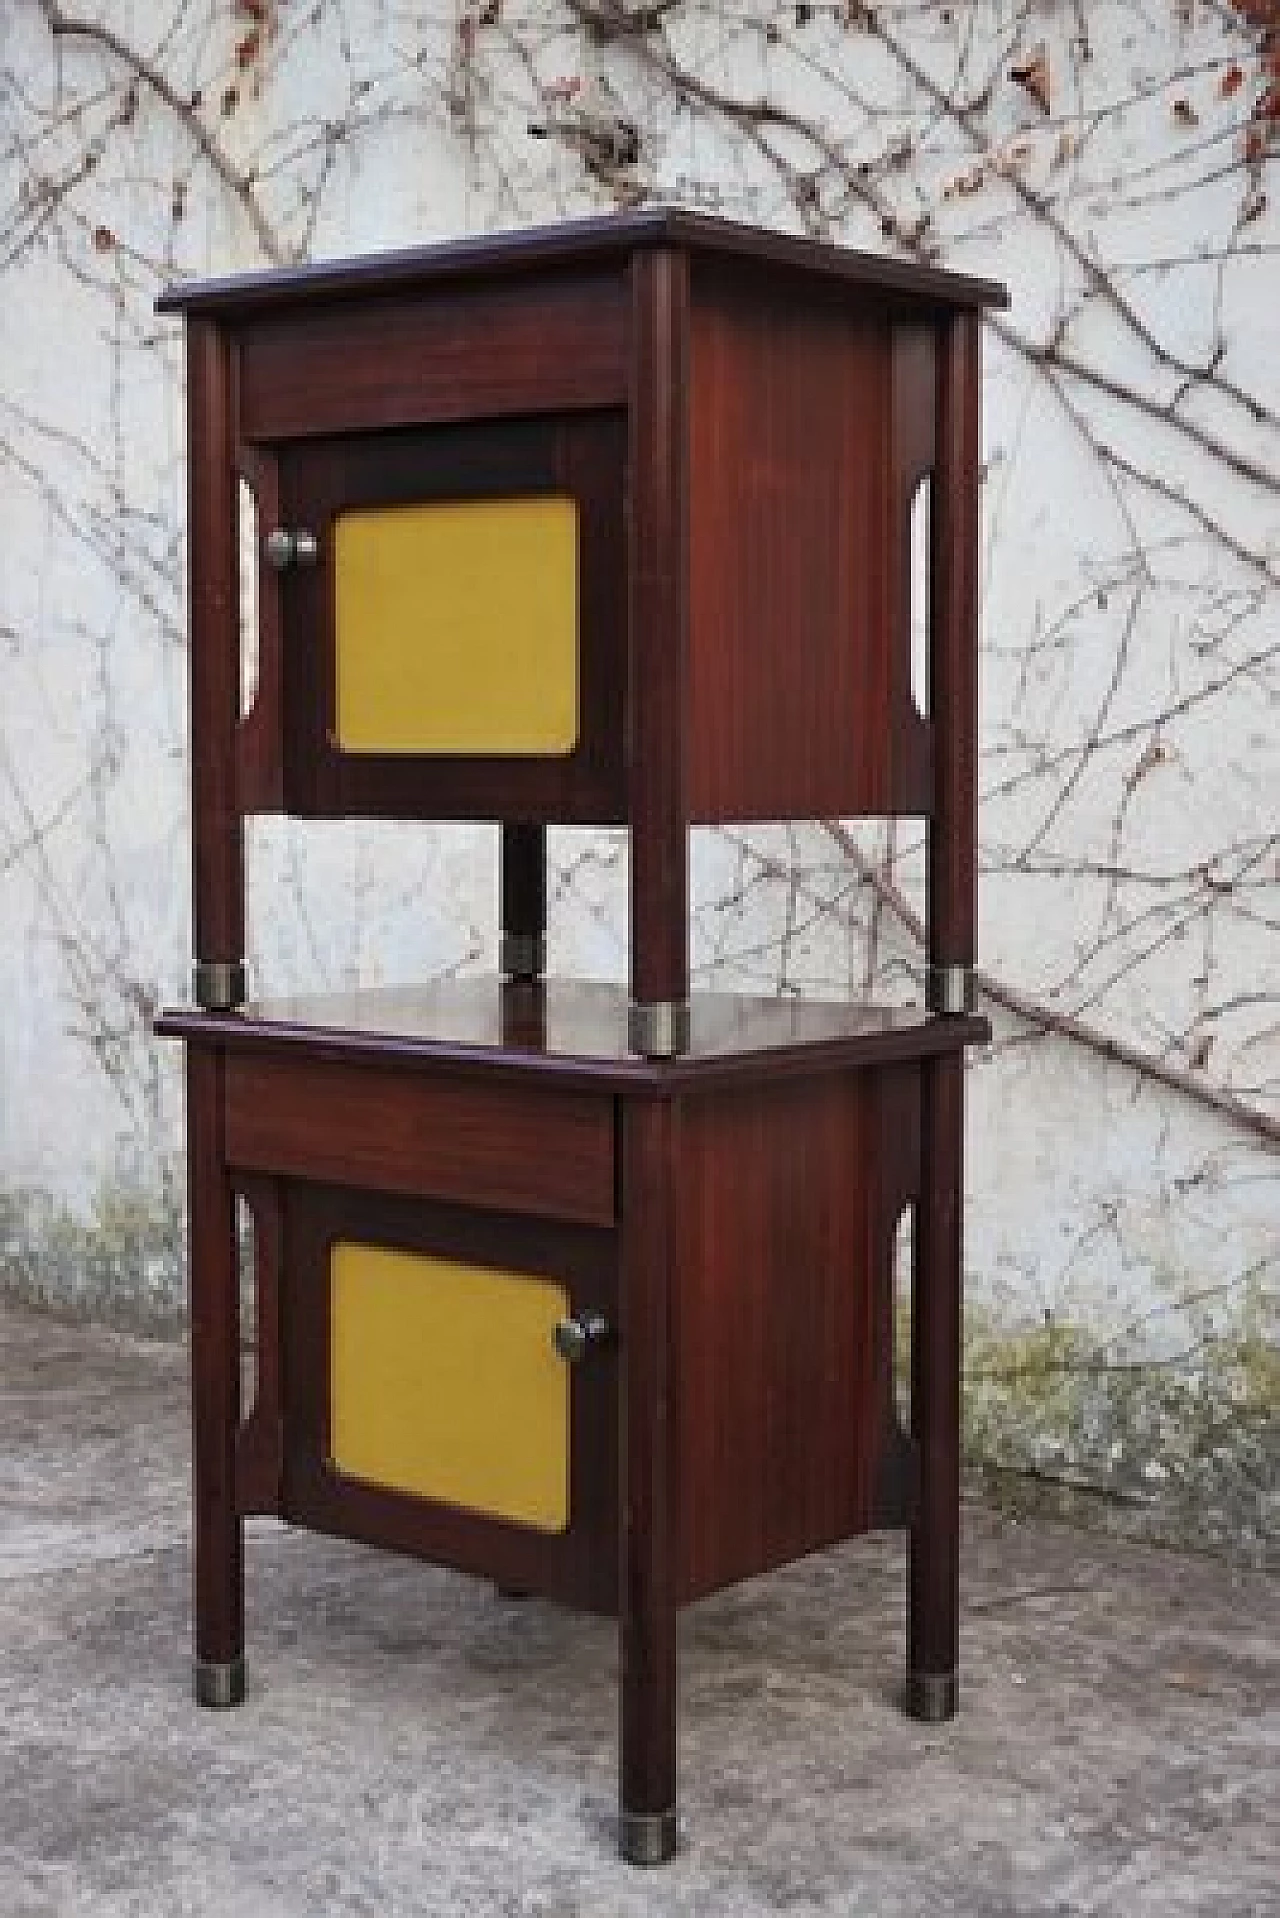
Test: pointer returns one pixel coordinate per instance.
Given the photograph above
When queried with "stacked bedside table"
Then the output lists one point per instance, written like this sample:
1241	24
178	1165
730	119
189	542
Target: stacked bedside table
589	1291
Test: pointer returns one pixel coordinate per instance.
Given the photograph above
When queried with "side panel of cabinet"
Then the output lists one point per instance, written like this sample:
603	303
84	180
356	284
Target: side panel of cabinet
799	670
789	1198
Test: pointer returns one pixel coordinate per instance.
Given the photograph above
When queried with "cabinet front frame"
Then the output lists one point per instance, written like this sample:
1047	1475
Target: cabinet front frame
581	458
578	1564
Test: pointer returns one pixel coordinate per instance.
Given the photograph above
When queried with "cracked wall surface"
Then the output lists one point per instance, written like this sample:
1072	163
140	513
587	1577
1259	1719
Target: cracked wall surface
1116	166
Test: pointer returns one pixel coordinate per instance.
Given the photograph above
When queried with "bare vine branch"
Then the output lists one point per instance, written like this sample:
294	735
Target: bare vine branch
1063	1024
65	26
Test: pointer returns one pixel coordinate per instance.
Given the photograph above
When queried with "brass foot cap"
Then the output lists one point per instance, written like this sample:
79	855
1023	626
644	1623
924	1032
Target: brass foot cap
219	1685
931	1696
647	1837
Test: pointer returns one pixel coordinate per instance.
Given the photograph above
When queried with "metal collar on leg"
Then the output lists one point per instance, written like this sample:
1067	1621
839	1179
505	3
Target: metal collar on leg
219	985
951	989
658	1028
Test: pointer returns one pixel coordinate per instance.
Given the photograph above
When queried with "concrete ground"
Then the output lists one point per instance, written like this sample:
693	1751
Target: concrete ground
413	1743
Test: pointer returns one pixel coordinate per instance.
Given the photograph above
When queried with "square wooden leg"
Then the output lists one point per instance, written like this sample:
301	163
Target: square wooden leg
934	1555
218	1531
647	1597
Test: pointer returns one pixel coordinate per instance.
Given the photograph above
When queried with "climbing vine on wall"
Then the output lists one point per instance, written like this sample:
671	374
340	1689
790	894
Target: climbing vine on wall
1116	165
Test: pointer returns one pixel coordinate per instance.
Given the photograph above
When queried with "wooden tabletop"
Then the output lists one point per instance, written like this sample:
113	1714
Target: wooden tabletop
574	1030
533	249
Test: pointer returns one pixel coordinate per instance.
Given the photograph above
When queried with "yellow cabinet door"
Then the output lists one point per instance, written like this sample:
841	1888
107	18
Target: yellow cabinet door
456	627
444	1383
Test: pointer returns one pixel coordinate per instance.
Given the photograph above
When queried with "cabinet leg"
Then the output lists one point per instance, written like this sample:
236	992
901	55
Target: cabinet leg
647	1597
647	1784
522	953
217	1529
934	1554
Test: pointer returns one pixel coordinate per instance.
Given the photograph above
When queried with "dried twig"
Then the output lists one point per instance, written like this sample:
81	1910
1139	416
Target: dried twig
1048	1019
66	26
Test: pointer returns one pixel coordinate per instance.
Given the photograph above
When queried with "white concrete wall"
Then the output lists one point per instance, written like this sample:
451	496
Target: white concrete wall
1122	1241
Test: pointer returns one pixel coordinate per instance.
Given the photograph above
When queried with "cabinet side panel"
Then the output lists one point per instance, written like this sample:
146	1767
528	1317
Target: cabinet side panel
783	1351
795	709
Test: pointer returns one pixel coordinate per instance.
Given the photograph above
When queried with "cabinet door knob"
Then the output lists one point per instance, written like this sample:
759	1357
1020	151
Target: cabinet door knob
285	547
573	1338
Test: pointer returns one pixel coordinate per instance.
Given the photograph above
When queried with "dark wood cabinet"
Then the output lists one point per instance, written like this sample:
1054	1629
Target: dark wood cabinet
585	1289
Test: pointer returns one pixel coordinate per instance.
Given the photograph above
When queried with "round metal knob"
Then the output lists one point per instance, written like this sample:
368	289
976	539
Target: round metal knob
574	1338
285	547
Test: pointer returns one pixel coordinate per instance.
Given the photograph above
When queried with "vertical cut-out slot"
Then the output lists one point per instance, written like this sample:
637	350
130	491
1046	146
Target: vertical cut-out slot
903	1263
248	571
921	590
247	1256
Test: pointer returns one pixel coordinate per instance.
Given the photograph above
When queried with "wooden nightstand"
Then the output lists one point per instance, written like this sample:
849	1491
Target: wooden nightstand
585	1289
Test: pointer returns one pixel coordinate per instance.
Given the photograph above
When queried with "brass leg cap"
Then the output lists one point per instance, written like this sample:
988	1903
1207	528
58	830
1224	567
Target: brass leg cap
219	1685
931	1696
647	1837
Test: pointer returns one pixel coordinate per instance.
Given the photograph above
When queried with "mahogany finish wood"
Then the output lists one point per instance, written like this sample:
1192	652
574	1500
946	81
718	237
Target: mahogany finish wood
260	1441
647	1421
784	1259
214	621
260	780
913	442
743	420
577	1566
584	459
443	1136
482	354
572	1034
795	706
520	253
953	836
898	1154
933	1576
216	1531
780	1328
658	804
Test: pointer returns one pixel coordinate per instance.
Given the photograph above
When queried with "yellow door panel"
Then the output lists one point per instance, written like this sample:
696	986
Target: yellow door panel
456	627
444	1383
